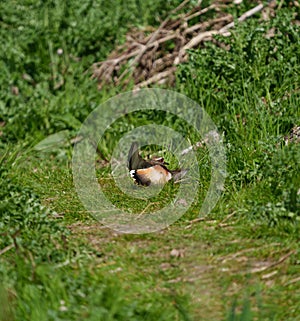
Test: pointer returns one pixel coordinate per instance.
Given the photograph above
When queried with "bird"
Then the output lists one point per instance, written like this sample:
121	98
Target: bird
150	172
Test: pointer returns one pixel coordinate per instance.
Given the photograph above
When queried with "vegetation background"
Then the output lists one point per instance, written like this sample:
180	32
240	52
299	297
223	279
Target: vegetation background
56	263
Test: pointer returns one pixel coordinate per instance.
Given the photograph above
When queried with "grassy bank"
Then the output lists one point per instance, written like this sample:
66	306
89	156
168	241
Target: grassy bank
241	262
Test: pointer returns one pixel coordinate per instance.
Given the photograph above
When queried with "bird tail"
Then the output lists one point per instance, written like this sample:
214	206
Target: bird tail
178	174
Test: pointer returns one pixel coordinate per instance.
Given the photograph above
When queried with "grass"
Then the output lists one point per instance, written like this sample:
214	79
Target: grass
58	263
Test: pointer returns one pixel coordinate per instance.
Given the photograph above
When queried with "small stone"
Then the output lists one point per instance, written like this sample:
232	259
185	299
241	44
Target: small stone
177	253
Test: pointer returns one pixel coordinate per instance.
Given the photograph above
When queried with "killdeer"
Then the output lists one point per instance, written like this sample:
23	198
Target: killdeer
152	171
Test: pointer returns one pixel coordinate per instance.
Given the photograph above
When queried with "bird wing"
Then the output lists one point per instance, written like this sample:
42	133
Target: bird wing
135	161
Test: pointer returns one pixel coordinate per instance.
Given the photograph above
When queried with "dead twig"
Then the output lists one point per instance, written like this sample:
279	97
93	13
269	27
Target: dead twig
145	209
243	17
292	281
156	78
7	248
269	266
221	224
152	58
198	13
229	257
196	220
151	40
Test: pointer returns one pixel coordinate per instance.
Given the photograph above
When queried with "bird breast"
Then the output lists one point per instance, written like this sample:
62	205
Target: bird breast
155	175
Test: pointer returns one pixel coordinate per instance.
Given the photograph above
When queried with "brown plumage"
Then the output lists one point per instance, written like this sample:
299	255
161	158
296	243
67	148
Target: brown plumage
152	171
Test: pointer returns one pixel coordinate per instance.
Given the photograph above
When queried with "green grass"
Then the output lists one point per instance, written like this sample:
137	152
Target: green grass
57	262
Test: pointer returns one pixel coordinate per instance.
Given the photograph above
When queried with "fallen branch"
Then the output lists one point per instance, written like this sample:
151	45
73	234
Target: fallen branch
198	13
243	251
264	268
293	281
196	220
151	40
221	224
7	248
156	78
243	17
153	58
